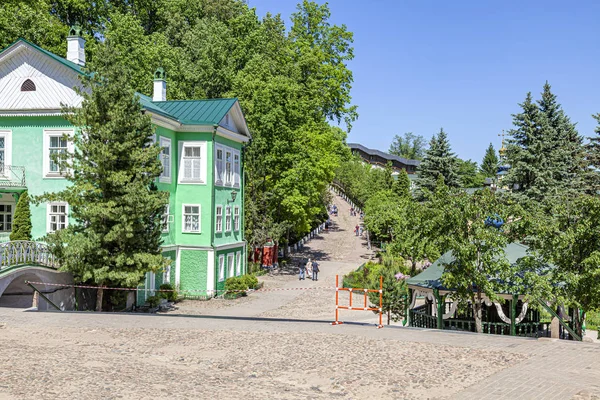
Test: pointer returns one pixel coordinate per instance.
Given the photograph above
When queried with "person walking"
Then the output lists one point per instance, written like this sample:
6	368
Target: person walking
315	271
356	230
309	268
302	270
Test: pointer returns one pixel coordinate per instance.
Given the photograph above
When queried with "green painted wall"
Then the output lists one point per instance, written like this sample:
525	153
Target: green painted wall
193	271
221	284
27	151
172	255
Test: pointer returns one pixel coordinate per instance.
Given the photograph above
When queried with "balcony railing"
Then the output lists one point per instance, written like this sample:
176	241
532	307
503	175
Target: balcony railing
12	176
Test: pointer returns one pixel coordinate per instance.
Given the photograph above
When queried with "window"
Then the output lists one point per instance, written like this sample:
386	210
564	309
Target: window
57	216
219	166
150	284
221	268
165	159
28	86
236	169
191	218
236	218
56	145
228	167
230	264
6	216
239	263
227	219
5	151
165	219
192	162
219	220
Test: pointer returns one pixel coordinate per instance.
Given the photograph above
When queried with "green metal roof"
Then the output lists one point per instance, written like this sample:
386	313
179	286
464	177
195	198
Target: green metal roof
197	112
432	277
63	61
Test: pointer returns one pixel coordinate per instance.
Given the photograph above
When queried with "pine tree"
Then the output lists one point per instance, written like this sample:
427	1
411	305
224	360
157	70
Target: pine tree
592	156
21	228
116	208
438	161
402	185
489	165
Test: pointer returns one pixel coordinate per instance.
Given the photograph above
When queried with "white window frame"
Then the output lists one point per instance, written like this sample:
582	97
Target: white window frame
165	219
165	143
230	265
236	218
181	177
221	268
49	214
5	228
219	219
7	135
228	219
238	257
183	214
219	165
236	168
150	284
48	133
228	174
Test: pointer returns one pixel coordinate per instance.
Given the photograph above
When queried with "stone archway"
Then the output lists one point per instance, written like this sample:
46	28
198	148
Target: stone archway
15	293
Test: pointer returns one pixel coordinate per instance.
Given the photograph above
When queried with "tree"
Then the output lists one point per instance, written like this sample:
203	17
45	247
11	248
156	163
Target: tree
570	240
21	228
395	294
469	174
438	161
401	185
117	210
592	156
479	266
409	146
382	212
490	163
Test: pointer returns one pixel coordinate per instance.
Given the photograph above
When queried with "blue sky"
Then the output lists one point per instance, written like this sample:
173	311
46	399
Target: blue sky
463	65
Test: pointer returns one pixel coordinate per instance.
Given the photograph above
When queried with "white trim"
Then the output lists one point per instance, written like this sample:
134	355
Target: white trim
165	221
46	151
167	144
237	172
228	219
49	207
231	135
230	265
203	162
231	245
30	113
218	229
183	206
221	162
210	272
236	219
7	134
221	268
177	267
238	263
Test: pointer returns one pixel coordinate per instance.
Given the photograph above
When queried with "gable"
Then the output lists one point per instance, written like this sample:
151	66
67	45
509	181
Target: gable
53	81
234	120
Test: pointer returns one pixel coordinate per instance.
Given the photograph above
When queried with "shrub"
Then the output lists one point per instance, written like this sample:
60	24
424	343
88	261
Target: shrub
21	229
250	281
153	301
235	285
170	296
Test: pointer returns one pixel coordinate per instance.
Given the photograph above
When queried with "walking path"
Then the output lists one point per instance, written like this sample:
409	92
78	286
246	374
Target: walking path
280	345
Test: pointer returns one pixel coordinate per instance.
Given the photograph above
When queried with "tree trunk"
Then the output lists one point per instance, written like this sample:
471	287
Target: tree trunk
477	314
413	267
388	314
99	298
578	321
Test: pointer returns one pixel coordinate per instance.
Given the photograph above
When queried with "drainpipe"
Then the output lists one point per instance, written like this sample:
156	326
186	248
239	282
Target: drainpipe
212	213
243	201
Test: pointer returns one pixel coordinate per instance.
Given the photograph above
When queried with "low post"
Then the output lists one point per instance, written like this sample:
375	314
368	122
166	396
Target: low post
440	309
380	302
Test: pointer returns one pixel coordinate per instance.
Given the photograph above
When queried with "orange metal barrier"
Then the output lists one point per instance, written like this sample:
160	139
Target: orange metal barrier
349	307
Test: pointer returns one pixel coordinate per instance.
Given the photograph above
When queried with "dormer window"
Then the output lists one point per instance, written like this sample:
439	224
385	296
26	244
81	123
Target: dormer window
28	86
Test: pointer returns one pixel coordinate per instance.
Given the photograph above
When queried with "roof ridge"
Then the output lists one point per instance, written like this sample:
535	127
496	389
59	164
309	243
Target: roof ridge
181	101
62	60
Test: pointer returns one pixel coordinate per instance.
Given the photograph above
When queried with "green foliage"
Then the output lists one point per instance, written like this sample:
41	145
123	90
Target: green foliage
236	286
592	150
394	296
153	301
116	235
409	146
250	281
21	228
469	175
172	295
382	212
480	267
571	242
401	185
438	161
490	163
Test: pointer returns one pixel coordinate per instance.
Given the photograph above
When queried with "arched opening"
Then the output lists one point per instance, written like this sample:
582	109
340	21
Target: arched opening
28	86
18	294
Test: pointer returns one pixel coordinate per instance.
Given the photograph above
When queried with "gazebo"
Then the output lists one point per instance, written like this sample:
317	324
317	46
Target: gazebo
433	306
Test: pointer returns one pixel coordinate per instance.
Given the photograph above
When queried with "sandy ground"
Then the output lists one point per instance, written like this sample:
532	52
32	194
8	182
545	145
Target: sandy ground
273	344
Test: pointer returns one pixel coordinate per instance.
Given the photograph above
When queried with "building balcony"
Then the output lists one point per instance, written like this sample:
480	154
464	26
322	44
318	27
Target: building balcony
12	176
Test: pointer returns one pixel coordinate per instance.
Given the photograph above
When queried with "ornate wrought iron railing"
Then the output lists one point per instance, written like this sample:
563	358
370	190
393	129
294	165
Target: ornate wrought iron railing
21	252
12	176
420	319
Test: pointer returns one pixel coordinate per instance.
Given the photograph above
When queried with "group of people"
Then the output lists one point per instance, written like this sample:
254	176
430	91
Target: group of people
333	210
358	230
311	268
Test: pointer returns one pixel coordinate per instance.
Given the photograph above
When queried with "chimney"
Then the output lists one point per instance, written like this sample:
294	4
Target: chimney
160	85
76	46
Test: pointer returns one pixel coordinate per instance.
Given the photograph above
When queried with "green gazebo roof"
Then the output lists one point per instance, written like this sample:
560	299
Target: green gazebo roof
431	278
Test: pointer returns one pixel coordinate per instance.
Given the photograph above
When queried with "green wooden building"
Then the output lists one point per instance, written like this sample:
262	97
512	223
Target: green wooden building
202	157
